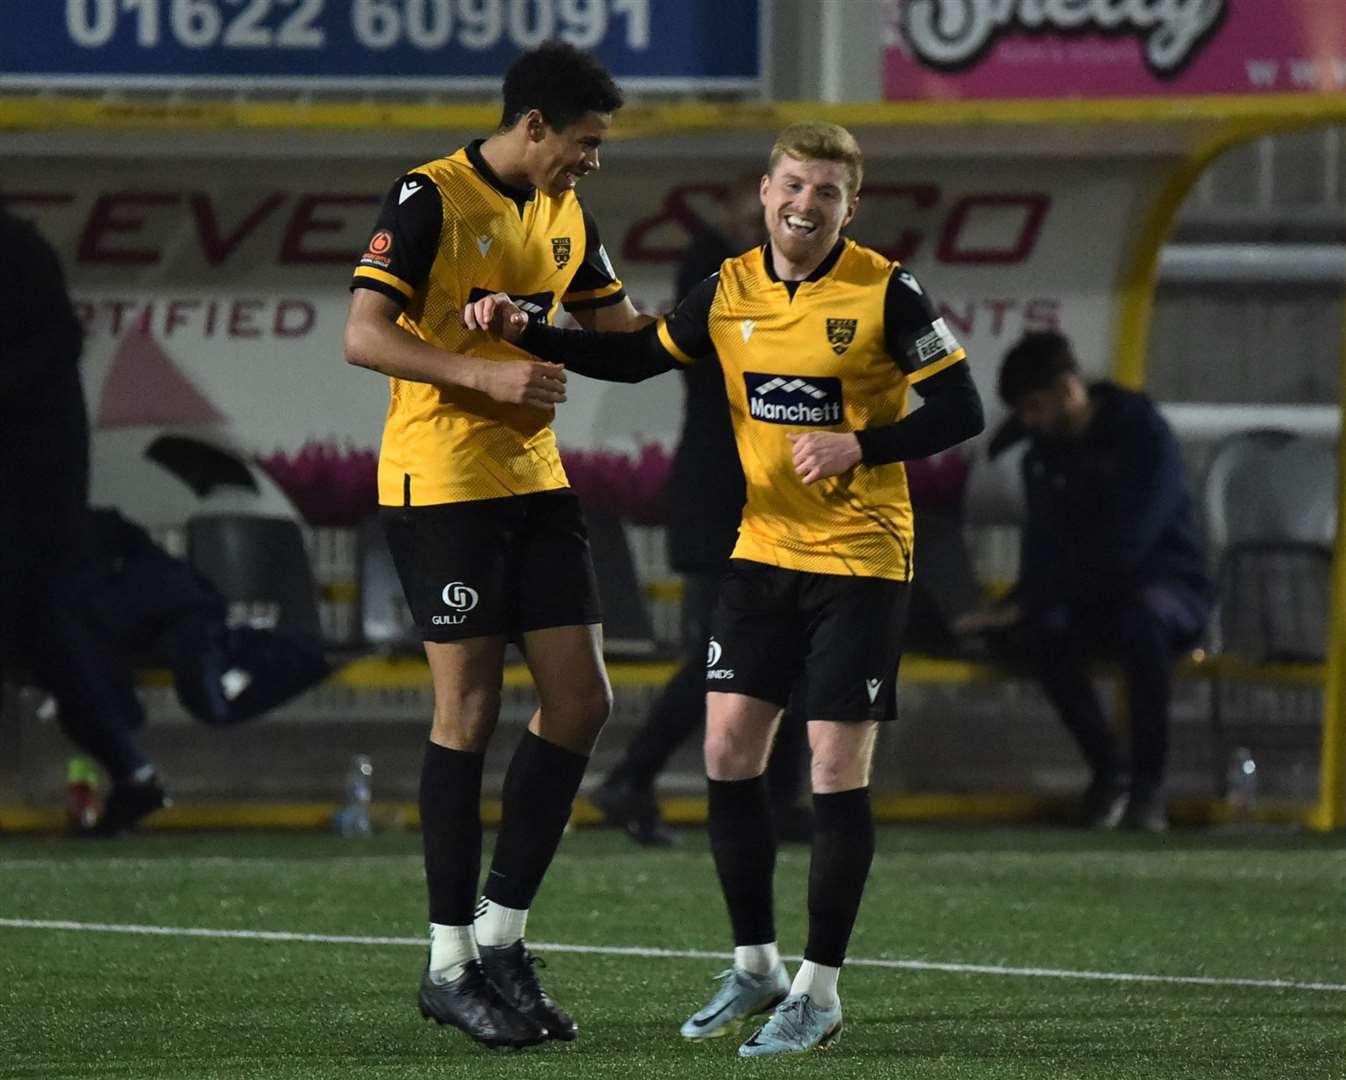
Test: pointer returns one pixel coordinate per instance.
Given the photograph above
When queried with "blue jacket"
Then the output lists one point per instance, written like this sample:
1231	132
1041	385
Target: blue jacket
1108	512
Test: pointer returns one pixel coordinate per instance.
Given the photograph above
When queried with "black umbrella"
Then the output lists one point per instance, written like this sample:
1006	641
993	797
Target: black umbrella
202	466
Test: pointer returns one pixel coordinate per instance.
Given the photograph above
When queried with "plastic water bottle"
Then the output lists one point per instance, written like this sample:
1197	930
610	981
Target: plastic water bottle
81	794
353	817
1241	785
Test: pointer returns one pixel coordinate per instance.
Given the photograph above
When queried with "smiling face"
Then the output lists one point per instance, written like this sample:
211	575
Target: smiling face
808	203
557	159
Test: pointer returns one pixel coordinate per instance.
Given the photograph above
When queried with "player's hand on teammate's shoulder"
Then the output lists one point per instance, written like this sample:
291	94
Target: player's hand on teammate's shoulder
820	454
496	314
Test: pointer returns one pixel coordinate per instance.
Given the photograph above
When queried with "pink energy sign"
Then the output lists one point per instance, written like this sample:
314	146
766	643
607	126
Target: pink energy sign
1113	48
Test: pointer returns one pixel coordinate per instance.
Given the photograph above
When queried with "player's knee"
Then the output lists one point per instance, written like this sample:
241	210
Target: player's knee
474	704
829	774
583	707
465	721
729	757
597	704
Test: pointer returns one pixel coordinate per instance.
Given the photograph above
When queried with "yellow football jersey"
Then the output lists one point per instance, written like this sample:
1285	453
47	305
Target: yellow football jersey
448	233
836	352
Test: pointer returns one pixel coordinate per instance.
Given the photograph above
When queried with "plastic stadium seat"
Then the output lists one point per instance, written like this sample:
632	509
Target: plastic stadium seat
1270	499
1266	485
261	567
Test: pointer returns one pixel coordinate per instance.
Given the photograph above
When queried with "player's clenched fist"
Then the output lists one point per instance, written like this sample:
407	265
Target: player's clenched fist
523	382
496	314
820	454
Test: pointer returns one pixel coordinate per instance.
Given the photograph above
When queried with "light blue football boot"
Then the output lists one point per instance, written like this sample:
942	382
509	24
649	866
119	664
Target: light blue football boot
796	1027
741	994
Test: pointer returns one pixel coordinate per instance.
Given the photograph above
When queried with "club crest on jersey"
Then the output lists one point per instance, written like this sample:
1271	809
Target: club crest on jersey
840	334
799	401
560	250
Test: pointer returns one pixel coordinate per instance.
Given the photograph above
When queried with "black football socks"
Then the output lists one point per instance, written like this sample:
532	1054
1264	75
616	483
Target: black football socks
843	849
451	831
539	790
743	843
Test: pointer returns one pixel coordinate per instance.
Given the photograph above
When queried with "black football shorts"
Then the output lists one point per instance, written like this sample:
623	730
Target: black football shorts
494	566
842	635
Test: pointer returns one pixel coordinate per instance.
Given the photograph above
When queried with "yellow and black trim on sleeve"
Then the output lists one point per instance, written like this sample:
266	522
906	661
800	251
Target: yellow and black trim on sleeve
914	333
684	333
405	239
589	299
367	277
936	366
595	284
671	346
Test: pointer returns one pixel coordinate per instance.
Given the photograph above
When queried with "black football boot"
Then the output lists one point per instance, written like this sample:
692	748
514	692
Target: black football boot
511	970
474	1006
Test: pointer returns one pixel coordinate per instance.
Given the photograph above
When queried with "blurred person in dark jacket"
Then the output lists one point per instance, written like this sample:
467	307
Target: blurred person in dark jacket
46	539
1112	564
705	502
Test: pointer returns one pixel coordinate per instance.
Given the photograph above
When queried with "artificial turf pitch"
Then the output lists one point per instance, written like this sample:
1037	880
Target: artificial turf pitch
1223	906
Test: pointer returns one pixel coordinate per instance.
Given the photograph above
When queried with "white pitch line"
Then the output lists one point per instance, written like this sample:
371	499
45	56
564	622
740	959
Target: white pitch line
679	954
230	861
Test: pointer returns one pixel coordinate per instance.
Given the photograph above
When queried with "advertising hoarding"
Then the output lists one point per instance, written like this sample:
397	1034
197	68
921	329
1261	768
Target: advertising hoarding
989	49
365	44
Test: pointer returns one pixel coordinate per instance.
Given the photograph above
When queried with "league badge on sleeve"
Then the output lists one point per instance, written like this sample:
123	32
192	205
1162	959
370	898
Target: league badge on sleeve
933	345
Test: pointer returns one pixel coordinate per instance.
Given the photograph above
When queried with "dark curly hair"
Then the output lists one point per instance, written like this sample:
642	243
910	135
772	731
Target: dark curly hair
1035	363
561	82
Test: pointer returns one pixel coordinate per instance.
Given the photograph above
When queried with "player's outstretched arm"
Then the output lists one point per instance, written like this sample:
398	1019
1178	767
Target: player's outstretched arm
374	340
613	356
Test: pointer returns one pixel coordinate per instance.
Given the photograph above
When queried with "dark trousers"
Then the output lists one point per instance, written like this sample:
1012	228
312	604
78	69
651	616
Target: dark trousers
1144	633
680	709
46	636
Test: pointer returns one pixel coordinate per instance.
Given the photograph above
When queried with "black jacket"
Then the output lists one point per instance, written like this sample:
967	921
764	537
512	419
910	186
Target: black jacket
1109	511
44	427
706	489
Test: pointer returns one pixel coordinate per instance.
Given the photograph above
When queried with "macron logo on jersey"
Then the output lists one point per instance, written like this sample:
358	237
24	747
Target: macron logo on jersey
794	400
409	188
